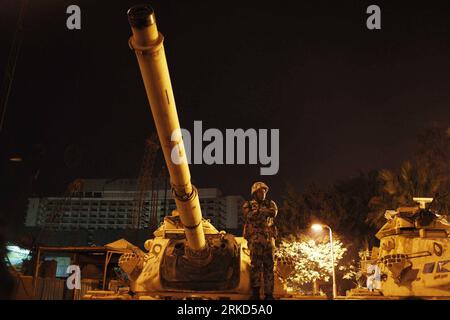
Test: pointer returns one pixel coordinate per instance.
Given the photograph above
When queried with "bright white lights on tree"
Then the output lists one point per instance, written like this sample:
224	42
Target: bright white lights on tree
311	260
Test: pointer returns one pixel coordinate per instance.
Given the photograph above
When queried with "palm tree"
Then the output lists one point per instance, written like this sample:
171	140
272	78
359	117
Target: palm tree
427	175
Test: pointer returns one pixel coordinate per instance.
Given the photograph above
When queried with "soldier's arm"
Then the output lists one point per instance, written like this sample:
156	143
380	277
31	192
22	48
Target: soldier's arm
273	210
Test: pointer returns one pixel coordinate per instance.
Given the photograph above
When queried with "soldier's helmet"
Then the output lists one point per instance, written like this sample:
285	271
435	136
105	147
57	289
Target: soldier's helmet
259	185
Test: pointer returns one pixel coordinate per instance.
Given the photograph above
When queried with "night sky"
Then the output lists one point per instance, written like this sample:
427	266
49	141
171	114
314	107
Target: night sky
346	99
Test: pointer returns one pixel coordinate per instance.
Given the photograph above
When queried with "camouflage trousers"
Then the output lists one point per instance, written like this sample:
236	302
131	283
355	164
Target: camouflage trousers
261	256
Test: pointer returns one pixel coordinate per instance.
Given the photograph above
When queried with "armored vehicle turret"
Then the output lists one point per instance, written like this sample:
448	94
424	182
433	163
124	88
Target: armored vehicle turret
413	259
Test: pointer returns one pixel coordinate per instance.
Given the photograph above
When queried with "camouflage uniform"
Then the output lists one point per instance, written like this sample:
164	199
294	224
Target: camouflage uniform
259	231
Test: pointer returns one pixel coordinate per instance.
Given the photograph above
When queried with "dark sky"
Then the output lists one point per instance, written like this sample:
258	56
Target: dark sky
346	99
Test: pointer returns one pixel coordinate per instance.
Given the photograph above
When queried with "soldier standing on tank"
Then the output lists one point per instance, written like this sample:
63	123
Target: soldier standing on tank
260	232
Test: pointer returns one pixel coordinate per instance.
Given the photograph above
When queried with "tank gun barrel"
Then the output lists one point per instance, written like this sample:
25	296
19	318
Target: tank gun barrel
147	43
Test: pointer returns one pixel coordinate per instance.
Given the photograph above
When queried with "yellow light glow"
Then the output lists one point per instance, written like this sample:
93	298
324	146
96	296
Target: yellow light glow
15	159
317	227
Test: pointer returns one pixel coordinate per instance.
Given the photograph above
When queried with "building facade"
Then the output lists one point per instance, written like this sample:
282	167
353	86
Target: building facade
109	204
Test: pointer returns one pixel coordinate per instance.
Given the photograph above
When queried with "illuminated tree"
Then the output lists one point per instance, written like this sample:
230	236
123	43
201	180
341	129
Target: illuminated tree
311	260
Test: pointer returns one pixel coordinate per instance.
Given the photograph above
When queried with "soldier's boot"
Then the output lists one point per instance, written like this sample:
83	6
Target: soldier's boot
255	293
269	296
268	291
268	285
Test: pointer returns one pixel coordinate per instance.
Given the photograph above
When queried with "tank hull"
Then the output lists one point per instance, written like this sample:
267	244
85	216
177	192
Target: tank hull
426	269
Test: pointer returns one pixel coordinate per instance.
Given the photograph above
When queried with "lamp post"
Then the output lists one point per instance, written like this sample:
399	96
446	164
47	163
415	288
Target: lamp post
319	227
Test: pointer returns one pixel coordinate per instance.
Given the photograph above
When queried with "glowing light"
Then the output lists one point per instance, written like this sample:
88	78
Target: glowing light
17	255
317	227
17	249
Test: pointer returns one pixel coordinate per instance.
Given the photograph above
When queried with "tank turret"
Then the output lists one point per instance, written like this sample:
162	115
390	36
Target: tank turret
187	257
181	256
414	254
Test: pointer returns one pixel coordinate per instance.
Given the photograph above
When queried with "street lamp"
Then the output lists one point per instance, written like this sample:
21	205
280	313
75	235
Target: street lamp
319	227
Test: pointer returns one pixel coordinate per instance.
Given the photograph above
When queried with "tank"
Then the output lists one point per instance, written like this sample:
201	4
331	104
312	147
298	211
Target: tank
188	257
413	259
